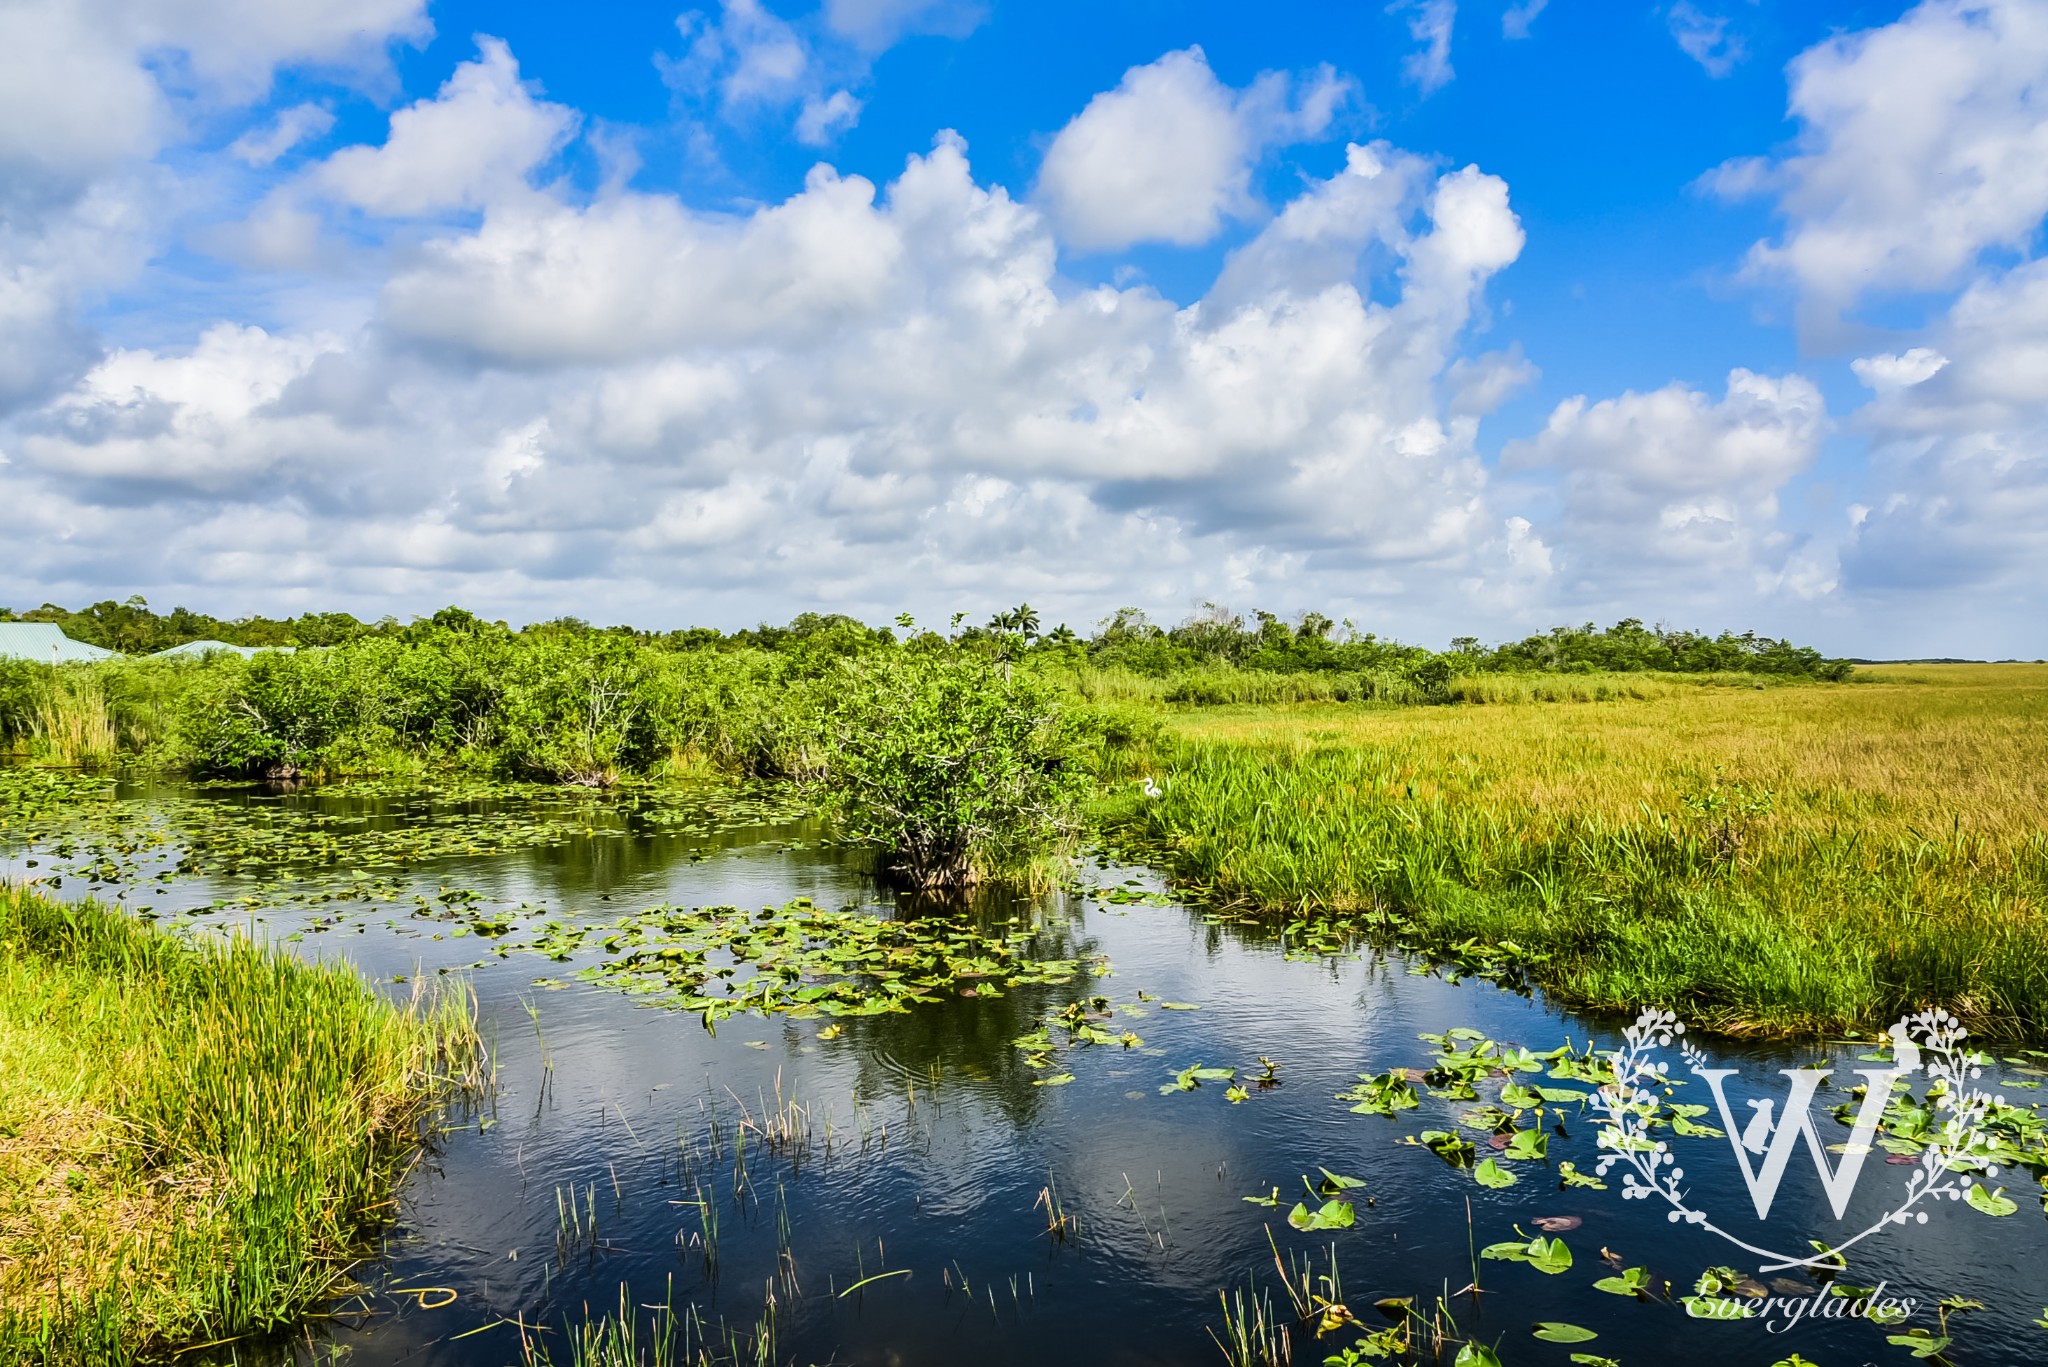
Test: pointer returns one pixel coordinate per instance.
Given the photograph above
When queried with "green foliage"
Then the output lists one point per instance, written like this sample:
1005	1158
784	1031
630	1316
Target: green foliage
951	764
271	715
134	628
1707	903
1218	644
224	1124
578	711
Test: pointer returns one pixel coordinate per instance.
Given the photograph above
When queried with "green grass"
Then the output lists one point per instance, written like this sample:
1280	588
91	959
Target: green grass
1797	860
196	1139
663	1338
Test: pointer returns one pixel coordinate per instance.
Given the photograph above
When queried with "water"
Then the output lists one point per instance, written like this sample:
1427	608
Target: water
908	1223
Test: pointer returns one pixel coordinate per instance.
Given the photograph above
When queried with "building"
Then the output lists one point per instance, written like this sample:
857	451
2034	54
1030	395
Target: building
46	642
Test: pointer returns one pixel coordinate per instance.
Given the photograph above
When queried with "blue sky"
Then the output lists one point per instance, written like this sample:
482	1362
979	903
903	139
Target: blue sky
1442	317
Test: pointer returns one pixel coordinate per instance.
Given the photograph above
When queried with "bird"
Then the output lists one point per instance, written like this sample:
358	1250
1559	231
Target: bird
1151	789
1758	1130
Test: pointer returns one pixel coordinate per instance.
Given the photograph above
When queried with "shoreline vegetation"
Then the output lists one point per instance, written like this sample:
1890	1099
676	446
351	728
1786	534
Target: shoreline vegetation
1767	840
198	1137
1807	862
957	756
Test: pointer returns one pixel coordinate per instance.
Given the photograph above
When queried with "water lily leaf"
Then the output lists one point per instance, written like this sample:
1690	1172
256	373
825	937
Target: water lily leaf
1552	1331
1332	1215
1476	1355
1921	1343
1453	1148
1633	1282
1991	1202
1056	1080
1492	1174
1530	1144
1549	1255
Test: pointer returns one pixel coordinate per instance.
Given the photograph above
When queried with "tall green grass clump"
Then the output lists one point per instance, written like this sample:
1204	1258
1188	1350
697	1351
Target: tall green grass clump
197	1138
1711	901
72	723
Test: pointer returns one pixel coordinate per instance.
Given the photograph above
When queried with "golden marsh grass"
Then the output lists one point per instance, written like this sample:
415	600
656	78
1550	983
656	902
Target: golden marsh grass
1799	859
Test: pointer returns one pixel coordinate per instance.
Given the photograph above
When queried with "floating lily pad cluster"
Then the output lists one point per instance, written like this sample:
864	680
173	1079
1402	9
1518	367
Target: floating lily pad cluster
2009	1135
73	826
804	960
1527	1111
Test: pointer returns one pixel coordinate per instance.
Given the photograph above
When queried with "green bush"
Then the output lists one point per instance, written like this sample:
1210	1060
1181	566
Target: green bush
950	763
272	715
576	710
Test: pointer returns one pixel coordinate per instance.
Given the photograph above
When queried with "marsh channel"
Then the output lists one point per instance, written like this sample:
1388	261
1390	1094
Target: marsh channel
978	1178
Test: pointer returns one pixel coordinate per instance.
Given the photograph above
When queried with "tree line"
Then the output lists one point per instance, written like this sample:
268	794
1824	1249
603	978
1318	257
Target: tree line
1212	637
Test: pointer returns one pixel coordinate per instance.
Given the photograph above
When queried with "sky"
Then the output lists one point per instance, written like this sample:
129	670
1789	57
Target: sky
1441	317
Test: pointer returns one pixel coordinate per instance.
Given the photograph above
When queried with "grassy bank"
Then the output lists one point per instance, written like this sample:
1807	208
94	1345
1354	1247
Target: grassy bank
195	1139
1777	861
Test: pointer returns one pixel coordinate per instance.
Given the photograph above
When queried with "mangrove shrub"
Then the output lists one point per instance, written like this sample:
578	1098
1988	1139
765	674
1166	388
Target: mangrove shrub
950	763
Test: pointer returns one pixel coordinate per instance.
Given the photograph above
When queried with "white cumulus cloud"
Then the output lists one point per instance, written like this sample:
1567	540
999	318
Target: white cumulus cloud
1708	39
1959	494
1517	20
876	24
1668	486
1923	143
1168	155
862	396
292	127
473	144
90	92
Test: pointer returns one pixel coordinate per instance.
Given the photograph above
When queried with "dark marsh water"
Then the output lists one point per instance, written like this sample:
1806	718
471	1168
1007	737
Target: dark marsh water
880	1195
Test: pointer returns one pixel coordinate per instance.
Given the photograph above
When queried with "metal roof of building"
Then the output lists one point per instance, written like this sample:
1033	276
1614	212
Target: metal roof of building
46	642
201	649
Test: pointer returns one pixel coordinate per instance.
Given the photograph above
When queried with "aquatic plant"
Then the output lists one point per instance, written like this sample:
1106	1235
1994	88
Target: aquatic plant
804	961
663	1337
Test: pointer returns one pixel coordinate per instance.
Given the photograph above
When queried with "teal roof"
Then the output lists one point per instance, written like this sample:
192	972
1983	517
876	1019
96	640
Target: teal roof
47	643
200	649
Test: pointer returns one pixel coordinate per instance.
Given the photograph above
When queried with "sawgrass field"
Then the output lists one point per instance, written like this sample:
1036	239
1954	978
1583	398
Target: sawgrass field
1797	858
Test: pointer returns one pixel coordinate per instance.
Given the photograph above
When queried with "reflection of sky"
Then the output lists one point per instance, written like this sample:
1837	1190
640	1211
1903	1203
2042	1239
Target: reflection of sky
1154	1180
